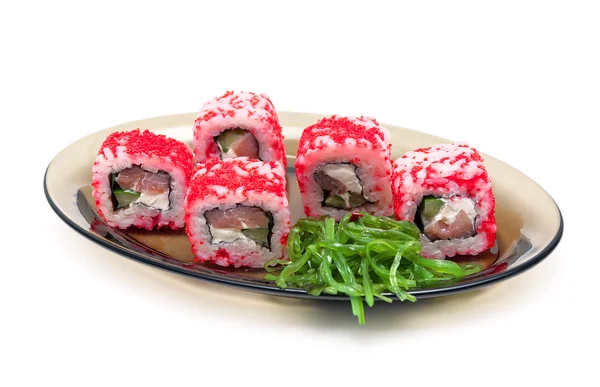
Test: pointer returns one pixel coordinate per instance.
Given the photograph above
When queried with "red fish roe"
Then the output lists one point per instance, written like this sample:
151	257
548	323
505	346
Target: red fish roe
340	129
150	144
232	174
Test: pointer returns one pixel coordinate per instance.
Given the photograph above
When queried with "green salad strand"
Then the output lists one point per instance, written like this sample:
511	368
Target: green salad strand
361	256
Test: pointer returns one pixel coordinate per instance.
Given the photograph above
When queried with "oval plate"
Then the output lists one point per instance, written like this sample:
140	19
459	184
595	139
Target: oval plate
530	224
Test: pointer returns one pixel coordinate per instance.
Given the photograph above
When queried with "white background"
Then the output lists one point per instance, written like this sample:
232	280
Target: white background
519	80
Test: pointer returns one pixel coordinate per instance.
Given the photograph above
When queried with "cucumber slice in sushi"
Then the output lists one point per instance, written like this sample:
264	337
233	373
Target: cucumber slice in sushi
227	138
357	199
335	201
430	207
125	197
258	235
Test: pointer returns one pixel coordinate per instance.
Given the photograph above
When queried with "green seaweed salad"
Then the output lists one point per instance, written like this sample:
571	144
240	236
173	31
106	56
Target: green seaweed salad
362	256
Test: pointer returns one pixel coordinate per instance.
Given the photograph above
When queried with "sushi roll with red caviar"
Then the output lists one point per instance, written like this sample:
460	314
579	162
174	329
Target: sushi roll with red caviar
344	164
140	179
237	212
445	189
239	125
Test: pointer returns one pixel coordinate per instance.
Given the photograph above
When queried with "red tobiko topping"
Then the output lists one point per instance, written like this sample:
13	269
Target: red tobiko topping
227	94
238	101
222	253
152	145
209	115
415	170
284	240
228	175
339	129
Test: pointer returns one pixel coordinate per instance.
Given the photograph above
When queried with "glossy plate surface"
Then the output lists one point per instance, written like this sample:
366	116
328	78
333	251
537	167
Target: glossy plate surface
529	222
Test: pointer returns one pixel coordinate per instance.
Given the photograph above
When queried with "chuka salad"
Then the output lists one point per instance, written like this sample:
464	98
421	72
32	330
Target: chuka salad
362	256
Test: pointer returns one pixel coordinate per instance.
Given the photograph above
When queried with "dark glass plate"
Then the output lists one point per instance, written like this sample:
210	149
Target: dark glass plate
529	222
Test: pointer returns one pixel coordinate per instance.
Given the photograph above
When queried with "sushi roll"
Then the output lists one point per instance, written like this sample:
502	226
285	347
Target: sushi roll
140	179
445	189
239	125
344	164
237	212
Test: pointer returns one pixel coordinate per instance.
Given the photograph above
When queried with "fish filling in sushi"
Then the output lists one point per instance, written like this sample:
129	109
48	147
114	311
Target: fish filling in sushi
237	143
341	186
240	223
447	218
136	186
